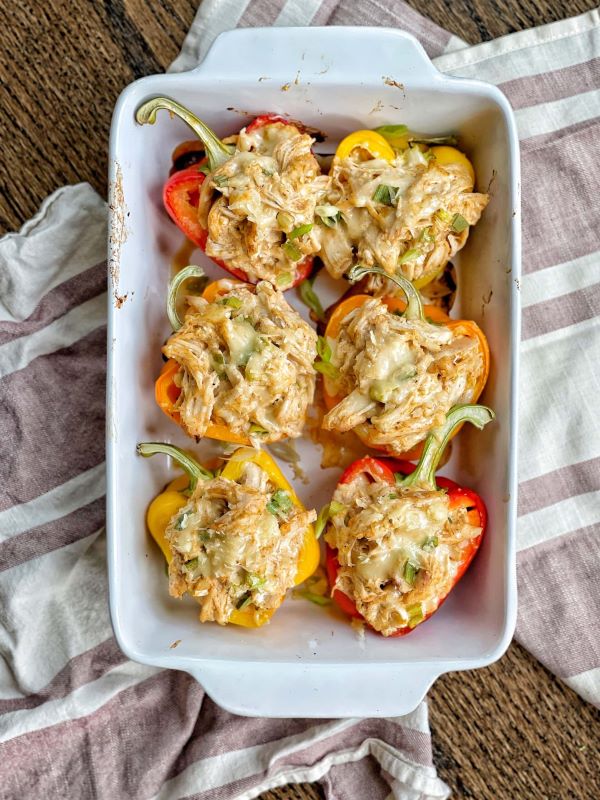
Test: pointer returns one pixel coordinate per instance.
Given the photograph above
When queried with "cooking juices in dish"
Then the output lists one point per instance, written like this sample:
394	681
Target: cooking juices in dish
235	541
241	367
240	364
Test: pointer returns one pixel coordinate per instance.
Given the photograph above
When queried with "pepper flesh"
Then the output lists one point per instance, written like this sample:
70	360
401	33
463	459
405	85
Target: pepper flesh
423	474
371	141
164	507
432	313
181	192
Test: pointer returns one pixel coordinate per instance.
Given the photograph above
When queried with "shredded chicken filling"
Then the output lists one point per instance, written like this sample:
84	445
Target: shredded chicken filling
268	189
415	229
236	545
398	377
247	363
399	550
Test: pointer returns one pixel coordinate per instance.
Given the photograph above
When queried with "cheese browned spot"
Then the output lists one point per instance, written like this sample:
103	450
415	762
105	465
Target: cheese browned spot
399	549
236	544
246	362
398	377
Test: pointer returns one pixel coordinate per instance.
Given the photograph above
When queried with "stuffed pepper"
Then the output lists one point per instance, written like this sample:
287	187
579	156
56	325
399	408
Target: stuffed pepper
240	364
398	203
235	541
398	540
250	204
392	370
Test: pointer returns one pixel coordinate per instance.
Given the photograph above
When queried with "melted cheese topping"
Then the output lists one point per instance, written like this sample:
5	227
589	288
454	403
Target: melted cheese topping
236	544
399	550
246	362
398	377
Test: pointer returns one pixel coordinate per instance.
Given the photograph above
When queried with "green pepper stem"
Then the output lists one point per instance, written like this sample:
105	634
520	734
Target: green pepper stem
190	466
435	444
217	152
414	306
187	272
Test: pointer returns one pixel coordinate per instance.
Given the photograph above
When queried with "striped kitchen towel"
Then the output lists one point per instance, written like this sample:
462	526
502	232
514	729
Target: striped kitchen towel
77	719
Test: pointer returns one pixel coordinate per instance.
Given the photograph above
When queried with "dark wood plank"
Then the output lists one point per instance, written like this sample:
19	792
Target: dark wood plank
508	731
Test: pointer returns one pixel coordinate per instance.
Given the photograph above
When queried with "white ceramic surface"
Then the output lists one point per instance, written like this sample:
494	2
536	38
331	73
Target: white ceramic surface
307	662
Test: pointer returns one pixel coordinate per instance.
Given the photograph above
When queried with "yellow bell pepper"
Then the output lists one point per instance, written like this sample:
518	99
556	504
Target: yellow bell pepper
450	155
371	141
164	507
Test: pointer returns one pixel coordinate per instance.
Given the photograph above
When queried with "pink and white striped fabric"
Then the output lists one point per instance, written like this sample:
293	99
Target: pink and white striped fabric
77	719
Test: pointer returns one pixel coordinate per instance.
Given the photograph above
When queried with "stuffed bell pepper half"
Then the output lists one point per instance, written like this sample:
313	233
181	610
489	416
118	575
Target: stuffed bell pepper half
240	363
398	540
392	369
249	205
235	540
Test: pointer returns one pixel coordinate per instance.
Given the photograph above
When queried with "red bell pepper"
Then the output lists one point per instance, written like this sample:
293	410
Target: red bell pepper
422	475
181	192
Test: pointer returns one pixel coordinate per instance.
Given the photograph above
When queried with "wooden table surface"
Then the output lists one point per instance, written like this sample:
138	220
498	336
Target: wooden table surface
507	732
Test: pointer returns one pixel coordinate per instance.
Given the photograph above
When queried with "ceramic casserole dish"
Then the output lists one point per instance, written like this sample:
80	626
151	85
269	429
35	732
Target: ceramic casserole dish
307	662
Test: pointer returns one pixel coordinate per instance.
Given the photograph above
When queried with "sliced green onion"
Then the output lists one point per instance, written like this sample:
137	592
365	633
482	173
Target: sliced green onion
443	215
280	503
310	299
254	582
244	601
285	221
301	230
258	430
328	215
459	223
220	180
323	517
191	564
327	369
323	348
410	572
430	543
409	255
292	251
318	599
192	271
427	235
415	614
386	194
232	302
284	279
181	521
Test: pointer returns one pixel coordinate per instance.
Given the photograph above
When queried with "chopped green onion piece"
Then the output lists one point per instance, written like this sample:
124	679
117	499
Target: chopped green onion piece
415	614
327	369
459	223
385	194
410	572
181	521
254	582
284	279
285	221
280	503
258	430
310	299
292	251
220	180
191	564
430	543
232	302
323	348
336	507
427	235
322	520
244	601
301	230
318	599
410	255
267	172
389	131
443	215
328	215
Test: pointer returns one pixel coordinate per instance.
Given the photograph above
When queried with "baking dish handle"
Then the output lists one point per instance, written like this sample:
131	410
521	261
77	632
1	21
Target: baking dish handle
316	690
308	54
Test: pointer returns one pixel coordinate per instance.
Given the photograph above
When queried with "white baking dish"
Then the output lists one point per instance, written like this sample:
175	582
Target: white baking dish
307	662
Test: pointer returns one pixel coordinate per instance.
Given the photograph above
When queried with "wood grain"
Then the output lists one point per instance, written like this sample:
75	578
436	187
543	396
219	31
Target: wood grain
505	732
